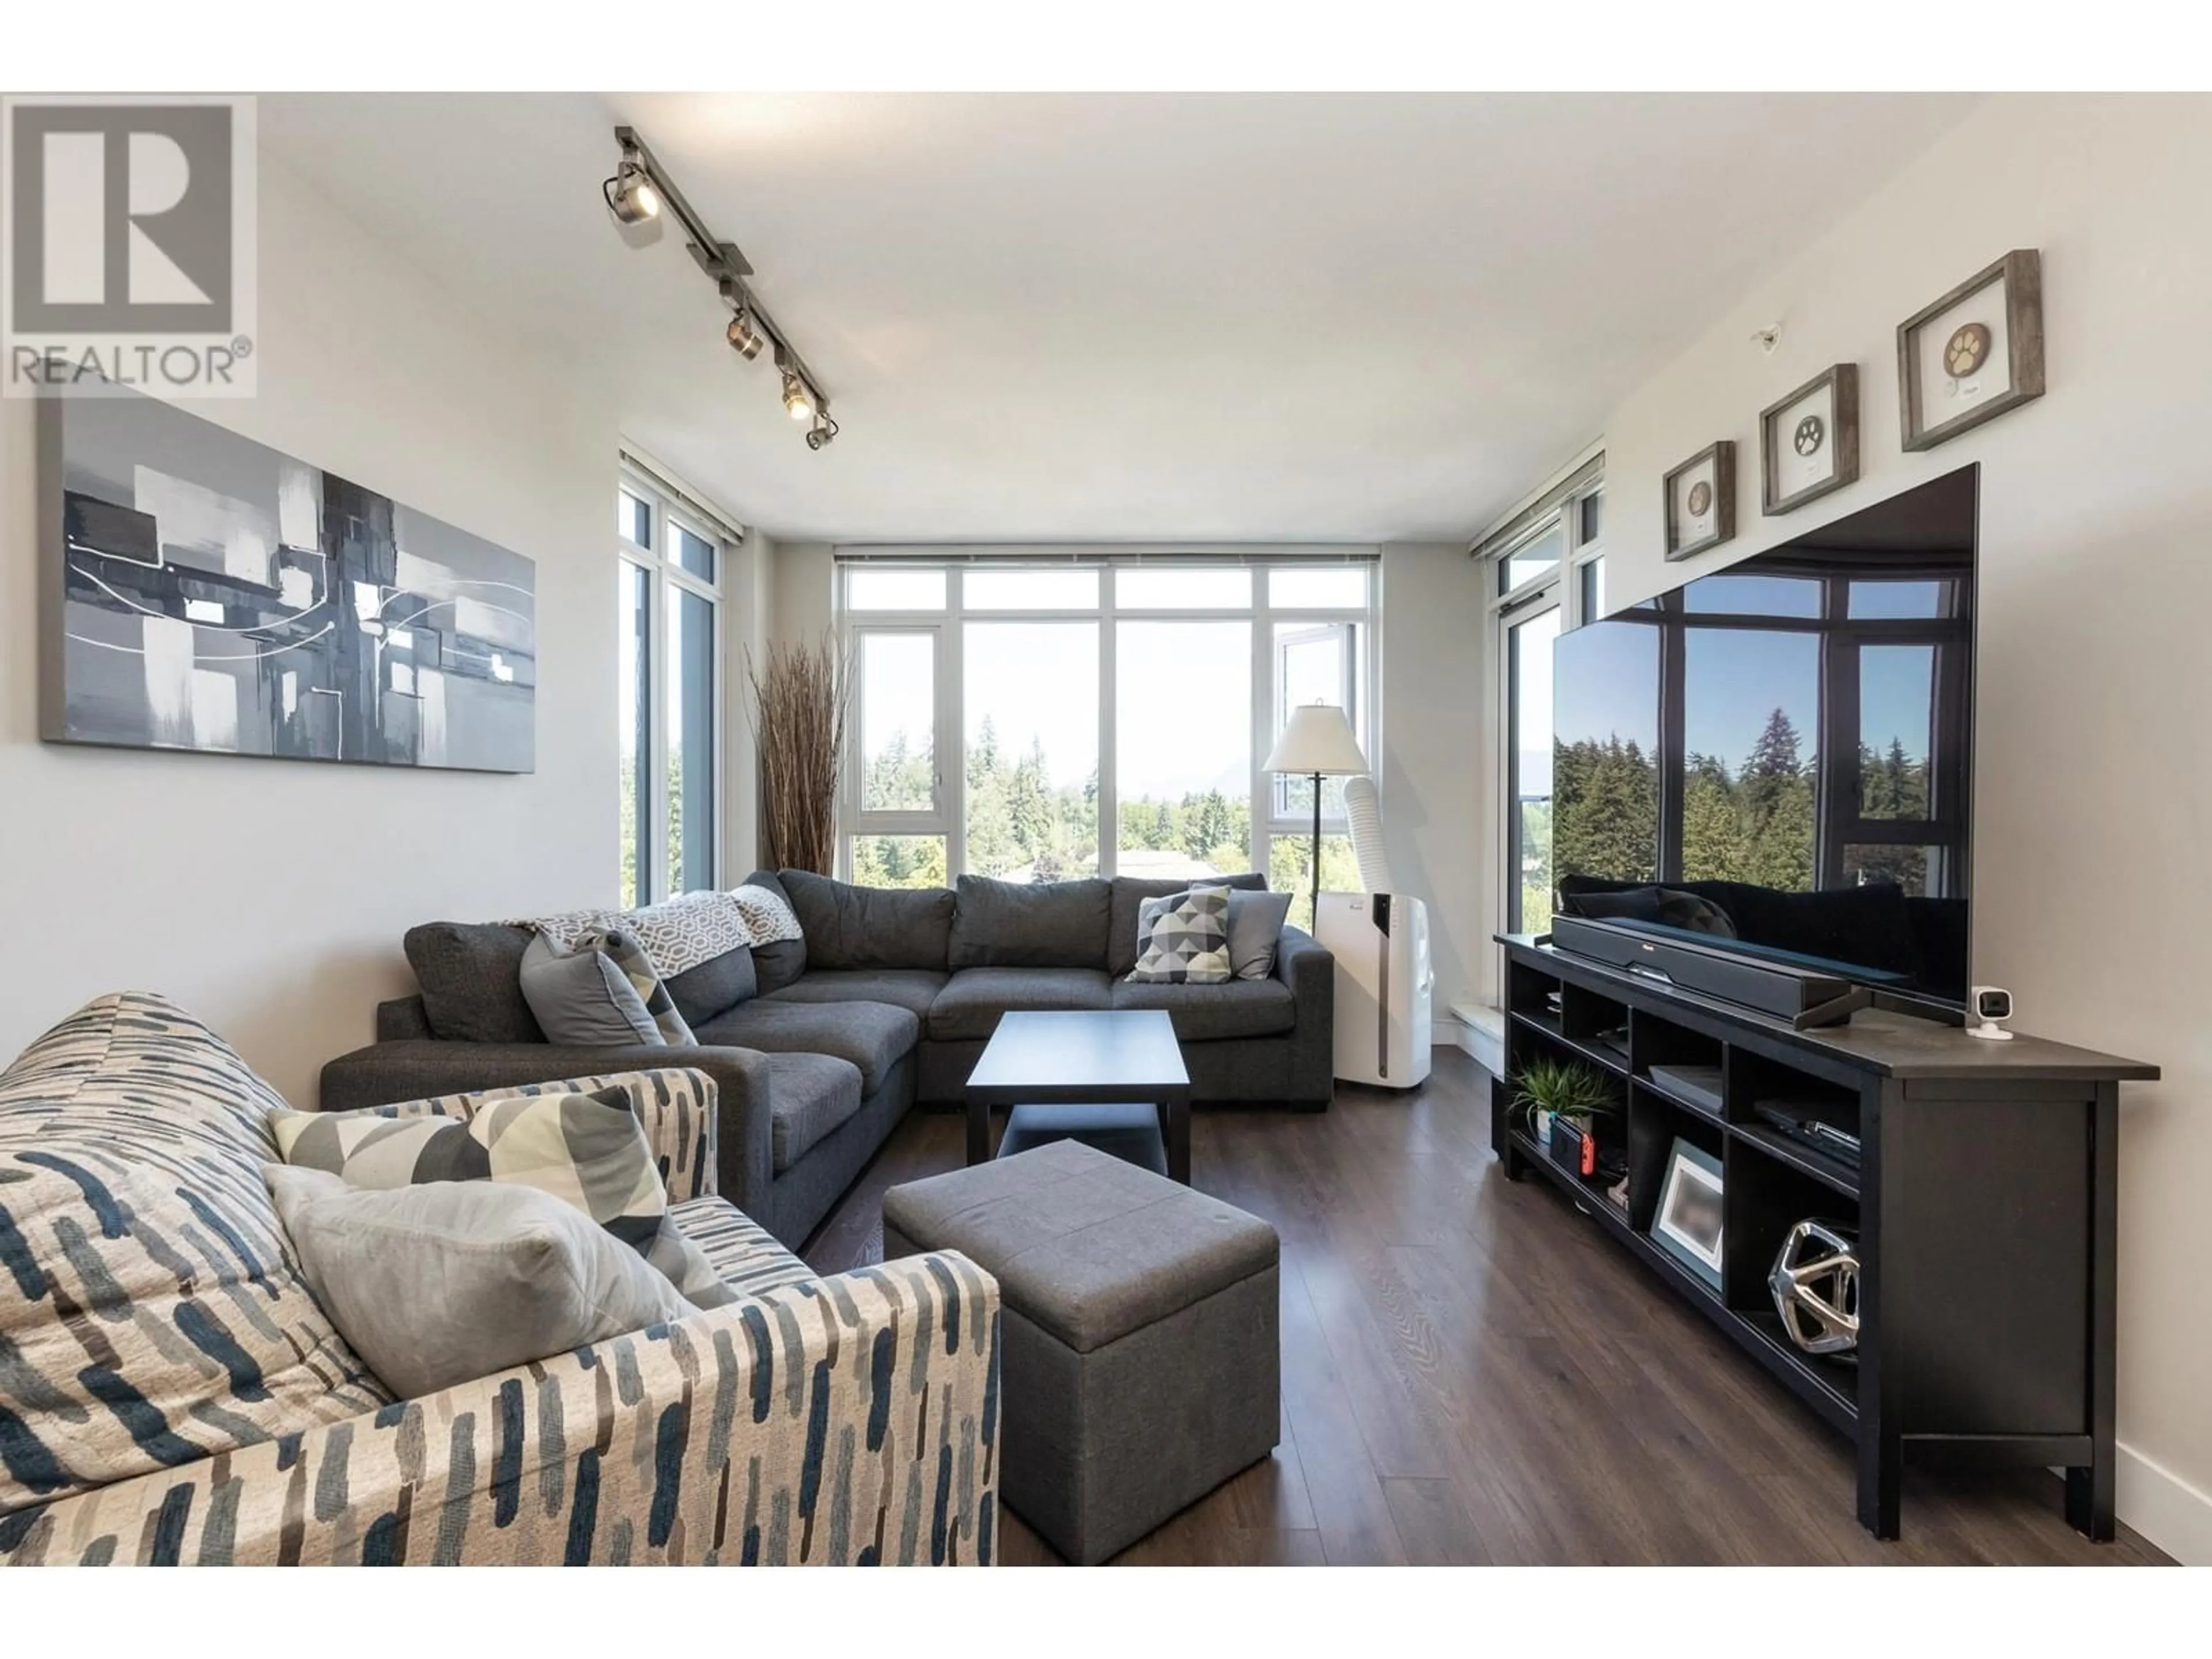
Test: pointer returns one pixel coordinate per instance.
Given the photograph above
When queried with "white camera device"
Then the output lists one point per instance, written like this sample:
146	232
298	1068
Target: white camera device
1992	1007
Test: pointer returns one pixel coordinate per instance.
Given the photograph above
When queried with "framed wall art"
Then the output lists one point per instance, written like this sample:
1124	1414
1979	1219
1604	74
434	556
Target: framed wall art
1701	500
1974	354
1808	441
201	592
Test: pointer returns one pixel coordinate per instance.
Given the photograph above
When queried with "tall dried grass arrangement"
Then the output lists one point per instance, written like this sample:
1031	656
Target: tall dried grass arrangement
800	703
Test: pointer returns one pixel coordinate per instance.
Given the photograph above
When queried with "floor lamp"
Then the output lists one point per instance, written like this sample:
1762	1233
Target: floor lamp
1318	742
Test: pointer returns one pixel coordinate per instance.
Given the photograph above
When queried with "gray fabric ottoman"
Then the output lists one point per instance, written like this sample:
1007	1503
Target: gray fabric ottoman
1140	1352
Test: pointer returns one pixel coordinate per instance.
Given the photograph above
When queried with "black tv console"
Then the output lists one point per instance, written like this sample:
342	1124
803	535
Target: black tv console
1984	1202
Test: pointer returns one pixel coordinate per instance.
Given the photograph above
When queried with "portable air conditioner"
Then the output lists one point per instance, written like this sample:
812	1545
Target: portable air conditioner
1383	981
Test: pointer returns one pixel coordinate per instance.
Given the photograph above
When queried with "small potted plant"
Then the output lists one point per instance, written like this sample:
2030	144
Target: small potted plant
1560	1099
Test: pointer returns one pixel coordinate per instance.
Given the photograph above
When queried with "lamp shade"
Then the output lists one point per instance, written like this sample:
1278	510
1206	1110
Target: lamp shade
1318	740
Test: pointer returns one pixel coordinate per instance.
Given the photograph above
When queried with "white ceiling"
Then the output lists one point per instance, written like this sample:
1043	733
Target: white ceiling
1140	317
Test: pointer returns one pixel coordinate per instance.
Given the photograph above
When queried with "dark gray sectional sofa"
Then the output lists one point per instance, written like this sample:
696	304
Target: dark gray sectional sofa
818	1048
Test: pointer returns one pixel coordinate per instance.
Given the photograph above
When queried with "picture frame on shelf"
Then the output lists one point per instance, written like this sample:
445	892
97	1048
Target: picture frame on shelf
1808	440
1973	354
1687	1224
1701	500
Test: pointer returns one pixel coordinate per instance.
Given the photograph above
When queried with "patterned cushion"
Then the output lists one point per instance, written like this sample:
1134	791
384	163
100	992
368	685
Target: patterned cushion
1183	939
621	947
151	1311
586	1149
676	1106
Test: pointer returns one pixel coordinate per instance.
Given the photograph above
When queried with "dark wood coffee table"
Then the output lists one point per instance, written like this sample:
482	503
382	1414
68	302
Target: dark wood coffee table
1082	1058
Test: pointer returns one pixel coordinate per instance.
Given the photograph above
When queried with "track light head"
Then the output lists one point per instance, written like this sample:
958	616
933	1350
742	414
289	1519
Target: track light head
823	429
798	401
630	194
744	335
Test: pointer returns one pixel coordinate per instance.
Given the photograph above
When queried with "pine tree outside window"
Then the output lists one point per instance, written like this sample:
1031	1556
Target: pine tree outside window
1038	719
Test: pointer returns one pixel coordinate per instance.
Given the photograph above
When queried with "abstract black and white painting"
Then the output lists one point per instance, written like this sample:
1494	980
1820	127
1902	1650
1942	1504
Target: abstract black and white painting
210	593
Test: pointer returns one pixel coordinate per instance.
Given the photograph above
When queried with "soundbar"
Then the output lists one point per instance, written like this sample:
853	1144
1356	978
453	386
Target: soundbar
1804	997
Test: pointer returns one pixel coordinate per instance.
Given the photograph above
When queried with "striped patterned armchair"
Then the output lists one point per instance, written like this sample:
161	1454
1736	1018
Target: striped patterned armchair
169	1391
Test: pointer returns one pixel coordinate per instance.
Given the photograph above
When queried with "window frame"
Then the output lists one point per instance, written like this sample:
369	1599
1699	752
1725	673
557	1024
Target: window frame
1542	601
1563	509
665	576
949	624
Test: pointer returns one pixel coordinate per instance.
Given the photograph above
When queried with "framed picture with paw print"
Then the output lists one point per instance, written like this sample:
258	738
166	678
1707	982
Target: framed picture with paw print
1701	500
1974	354
1808	441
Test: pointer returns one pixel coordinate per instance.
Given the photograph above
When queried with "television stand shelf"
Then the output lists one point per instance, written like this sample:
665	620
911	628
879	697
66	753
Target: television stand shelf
1984	1203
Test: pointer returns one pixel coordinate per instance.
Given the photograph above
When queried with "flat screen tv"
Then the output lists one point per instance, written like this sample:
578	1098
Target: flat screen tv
1776	758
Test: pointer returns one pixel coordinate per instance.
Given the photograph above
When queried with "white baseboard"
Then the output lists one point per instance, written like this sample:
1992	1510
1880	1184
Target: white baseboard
1480	1034
2164	1508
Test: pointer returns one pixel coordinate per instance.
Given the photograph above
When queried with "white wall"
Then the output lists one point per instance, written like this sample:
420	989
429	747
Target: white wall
1430	774
748	600
805	585
268	897
2094	805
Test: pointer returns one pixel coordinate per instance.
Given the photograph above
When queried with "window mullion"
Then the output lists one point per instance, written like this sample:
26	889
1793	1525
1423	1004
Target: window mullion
1109	750
1265	666
952	726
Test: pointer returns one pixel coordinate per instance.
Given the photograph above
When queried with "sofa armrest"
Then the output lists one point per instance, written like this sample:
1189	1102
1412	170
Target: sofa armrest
839	1421
1309	969
739	1165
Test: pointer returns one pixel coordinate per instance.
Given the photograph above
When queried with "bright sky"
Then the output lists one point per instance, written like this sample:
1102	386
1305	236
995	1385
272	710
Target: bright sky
1183	698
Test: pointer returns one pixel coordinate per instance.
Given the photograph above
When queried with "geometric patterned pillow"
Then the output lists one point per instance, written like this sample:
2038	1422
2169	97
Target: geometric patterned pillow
588	1149
621	948
1185	939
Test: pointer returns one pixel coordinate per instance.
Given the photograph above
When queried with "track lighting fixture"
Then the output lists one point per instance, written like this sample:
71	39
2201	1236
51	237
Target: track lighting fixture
639	190
630	195
798	401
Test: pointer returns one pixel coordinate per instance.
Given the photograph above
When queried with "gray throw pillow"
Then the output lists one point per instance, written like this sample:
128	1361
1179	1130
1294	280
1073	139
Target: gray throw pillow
623	949
1185	939
1131	891
588	1151
1255	930
439	1284
581	996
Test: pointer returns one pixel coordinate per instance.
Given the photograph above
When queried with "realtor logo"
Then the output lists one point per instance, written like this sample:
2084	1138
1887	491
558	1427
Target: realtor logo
129	258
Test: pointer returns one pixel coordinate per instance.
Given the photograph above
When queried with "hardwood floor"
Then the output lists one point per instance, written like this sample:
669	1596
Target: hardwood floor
1472	1373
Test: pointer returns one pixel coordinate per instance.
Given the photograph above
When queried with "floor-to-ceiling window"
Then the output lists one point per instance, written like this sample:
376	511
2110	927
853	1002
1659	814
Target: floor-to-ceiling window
1546	574
670	689
1048	717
